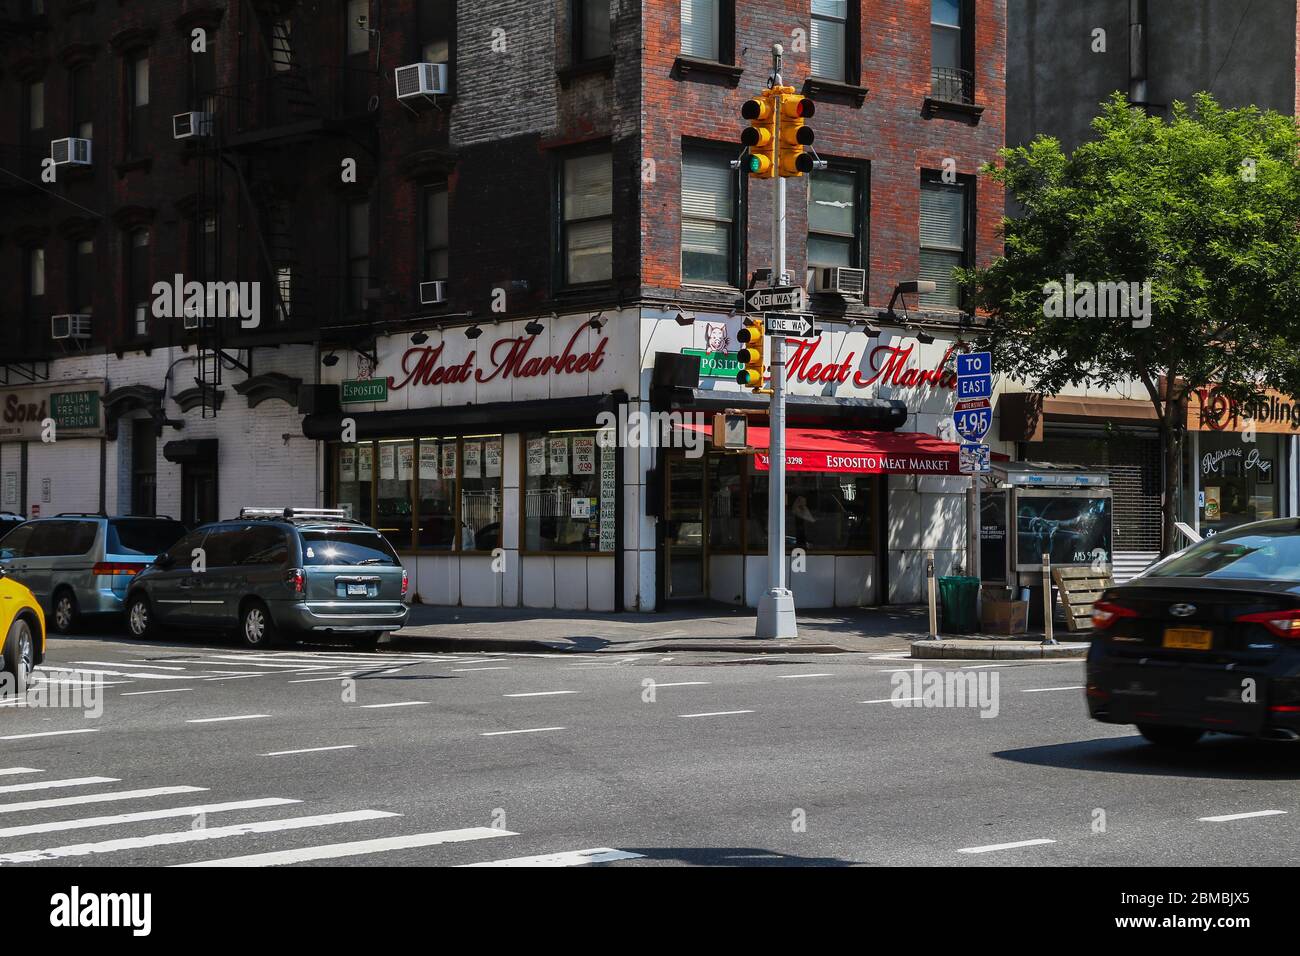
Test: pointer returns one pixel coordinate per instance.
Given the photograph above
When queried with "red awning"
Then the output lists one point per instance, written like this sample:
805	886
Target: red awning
859	452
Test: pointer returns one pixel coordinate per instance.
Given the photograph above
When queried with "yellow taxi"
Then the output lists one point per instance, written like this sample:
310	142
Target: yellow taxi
22	632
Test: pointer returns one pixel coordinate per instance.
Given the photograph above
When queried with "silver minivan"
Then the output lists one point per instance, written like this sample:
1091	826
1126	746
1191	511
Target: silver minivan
81	564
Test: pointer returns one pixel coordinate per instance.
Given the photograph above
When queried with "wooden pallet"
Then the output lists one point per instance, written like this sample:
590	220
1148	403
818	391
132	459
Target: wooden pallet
1079	589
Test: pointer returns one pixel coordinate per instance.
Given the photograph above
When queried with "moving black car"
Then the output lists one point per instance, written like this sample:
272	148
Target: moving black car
1205	640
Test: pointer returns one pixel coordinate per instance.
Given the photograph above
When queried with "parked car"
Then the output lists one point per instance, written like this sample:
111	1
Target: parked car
80	564
1205	640
22	632
275	572
9	521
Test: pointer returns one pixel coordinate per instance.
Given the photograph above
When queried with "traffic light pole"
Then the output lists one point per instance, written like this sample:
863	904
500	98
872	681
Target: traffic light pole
776	617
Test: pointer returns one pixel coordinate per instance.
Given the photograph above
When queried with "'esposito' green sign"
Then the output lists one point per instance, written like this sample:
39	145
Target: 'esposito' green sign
715	364
356	391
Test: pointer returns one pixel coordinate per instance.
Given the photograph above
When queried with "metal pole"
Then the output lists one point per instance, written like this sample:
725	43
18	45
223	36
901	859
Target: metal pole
776	616
930	585
1047	599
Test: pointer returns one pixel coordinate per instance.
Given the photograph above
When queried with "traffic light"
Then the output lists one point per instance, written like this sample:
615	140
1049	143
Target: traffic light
751	356
760	137
792	157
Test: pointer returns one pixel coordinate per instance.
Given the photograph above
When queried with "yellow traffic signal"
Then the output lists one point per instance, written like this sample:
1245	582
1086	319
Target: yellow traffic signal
760	137
793	159
751	356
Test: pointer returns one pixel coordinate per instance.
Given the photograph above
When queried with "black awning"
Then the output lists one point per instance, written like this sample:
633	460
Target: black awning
191	451
876	414
540	415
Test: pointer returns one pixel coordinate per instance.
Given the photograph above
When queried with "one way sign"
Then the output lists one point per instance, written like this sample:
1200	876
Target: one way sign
789	323
789	298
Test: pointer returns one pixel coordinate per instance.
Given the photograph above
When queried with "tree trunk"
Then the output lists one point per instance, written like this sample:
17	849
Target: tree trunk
1172	442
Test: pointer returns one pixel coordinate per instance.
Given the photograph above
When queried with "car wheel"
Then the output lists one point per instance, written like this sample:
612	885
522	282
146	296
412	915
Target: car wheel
367	640
256	629
20	654
139	617
66	615
1175	738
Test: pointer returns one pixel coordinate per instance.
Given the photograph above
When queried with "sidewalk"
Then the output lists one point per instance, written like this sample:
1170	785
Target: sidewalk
689	627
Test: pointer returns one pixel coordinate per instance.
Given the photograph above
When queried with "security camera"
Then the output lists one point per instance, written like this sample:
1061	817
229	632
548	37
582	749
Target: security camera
362	21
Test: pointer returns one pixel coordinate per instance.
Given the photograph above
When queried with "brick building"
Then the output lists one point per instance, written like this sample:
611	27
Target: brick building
459	268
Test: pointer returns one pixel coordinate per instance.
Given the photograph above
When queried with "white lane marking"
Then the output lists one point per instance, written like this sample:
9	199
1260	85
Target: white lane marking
10	771
111	796
308	750
157	667
1004	846
542	693
218	720
1242	816
797	676
236	677
600	854
321	680
896	655
887	700
686	683
400	703
192	836
334	851
1044	690
116	673
51	733
469	670
118	818
531	730
717	713
52	784
392	670
144	693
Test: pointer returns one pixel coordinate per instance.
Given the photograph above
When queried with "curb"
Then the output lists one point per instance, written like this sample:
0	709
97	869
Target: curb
504	645
996	650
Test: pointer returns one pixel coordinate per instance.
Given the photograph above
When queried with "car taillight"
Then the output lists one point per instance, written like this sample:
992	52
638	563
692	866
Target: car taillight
1281	623
110	568
1106	613
296	580
406	582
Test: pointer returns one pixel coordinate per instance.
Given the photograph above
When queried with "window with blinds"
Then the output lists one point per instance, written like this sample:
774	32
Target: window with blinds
708	217
943	240
828	40
833	219
700	33
591	26
588	204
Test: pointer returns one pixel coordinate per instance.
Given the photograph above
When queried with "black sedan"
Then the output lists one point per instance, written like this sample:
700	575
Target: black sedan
1205	640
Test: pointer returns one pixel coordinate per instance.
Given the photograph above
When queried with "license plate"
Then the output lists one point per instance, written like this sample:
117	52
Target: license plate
1189	638
357	590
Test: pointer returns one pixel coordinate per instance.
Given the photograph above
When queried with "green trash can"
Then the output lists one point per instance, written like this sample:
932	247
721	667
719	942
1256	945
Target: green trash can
959	605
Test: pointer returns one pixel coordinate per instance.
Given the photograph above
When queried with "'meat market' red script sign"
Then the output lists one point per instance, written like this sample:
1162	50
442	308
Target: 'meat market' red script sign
507	358
885	364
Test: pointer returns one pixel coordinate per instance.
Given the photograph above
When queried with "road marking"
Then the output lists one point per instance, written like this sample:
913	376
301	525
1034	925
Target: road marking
888	700
894	656
192	836
236	677
111	796
797	676
468	670
400	703
717	713
309	750
1044	690
359	848
51	784
1004	846
531	730
10	771
51	733
218	720
685	683
321	680
115	673
1242	816
542	693
118	818
156	667
143	693
600	854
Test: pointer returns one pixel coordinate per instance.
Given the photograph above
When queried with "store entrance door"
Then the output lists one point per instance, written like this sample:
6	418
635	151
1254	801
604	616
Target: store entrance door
198	493
685	533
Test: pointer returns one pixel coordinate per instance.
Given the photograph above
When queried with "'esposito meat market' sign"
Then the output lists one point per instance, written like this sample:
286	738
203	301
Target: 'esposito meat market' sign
867	464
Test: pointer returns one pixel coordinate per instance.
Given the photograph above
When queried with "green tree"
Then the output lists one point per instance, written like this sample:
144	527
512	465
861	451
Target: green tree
1203	205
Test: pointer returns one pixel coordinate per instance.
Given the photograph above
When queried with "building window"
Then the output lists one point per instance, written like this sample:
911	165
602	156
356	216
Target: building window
591	28
825	512
945	238
828	41
701	29
137	76
951	79
282	60
36	272
144	468
36	106
709	216
203	81
138	294
588	224
358	35
81	296
836	223
563	506
81	84
436	234
393	492
358	229
435	21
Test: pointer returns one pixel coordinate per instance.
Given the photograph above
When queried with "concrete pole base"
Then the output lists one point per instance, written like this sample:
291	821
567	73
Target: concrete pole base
776	615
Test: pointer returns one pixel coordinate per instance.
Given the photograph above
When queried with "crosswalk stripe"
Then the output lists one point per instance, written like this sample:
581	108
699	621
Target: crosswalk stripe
358	848
192	836
116	673
52	784
115	819
600	854
52	733
110	796
221	720
10	771
156	667
400	703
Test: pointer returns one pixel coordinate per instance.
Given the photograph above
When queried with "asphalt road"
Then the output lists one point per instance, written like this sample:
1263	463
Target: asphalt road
322	755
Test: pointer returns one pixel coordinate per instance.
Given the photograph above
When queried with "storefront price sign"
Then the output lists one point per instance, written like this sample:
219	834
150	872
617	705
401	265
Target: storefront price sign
973	419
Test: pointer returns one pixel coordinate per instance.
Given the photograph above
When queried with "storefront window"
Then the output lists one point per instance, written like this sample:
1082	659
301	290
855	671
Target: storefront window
437	494
480	493
823	512
1239	480
393	497
570	495
726	501
354	488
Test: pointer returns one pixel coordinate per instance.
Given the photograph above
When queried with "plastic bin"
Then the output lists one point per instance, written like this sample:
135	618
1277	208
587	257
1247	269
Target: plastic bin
959	605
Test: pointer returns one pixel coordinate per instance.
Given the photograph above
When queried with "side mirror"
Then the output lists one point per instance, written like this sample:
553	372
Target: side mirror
164	560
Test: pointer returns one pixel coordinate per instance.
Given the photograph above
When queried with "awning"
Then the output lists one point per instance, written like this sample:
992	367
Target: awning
860	452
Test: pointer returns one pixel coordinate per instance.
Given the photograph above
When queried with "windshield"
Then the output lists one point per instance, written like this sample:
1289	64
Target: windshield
347	548
147	536
1262	557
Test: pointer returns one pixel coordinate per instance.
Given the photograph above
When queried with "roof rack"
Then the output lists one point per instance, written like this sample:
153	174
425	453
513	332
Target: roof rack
80	514
333	514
